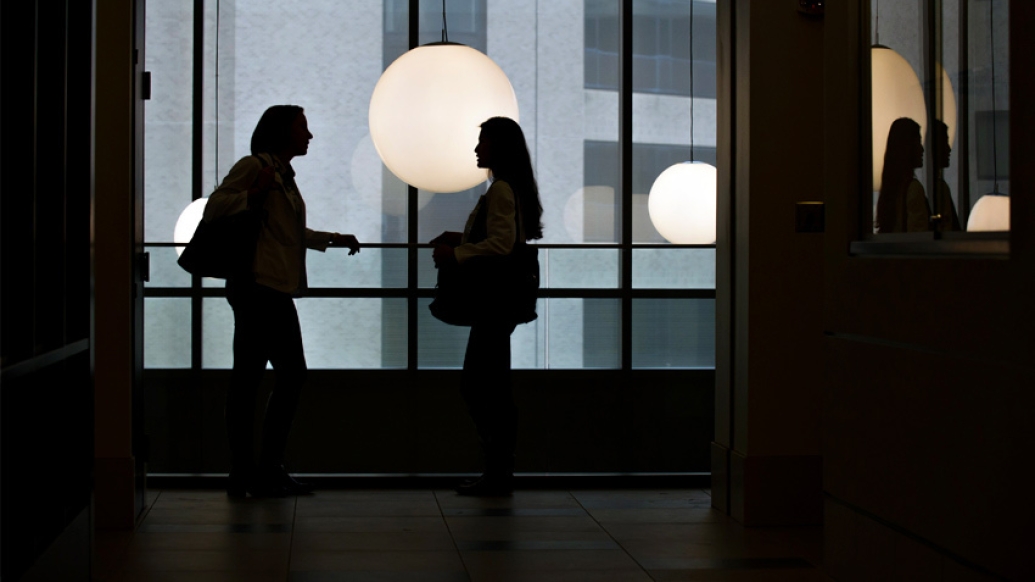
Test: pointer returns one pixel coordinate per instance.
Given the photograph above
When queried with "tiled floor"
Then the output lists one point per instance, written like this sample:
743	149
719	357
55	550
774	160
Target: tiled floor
437	536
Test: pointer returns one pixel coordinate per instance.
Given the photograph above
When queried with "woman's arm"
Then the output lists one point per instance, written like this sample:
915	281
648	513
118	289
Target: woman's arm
319	240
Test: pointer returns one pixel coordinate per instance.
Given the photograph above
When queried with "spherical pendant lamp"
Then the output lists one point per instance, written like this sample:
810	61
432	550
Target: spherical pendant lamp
682	203
188	222
426	110
990	213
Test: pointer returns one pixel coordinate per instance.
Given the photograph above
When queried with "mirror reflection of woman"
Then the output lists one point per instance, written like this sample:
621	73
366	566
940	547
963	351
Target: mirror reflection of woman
902	204
512	213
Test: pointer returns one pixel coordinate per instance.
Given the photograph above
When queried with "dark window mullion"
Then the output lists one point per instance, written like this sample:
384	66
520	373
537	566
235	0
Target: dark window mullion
412	224
625	144
197	162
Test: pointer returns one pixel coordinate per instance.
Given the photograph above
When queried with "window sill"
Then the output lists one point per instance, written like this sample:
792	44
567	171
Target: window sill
934	244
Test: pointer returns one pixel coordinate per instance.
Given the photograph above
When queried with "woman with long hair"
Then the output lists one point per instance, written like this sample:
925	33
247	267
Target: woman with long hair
902	204
509	213
266	325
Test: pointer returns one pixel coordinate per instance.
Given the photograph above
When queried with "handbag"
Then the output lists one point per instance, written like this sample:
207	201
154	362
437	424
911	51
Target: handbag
489	287
224	247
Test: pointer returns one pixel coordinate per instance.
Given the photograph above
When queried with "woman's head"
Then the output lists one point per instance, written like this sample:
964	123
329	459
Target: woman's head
905	151
282	129
501	147
502	150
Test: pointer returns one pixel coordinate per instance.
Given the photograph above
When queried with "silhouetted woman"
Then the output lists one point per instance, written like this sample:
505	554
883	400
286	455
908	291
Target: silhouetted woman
947	219
902	203
512	213
266	325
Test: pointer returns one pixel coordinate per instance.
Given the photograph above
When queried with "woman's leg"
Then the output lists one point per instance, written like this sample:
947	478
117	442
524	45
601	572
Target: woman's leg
250	358
487	389
288	358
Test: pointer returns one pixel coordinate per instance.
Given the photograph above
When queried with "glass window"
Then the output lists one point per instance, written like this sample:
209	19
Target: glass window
167	323
673	333
940	118
562	59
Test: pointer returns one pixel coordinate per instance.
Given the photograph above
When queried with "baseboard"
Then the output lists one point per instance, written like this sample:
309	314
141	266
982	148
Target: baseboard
449	480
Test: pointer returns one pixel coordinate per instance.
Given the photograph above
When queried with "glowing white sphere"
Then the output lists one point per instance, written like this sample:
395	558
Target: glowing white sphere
990	213
375	187
896	92
188	222
948	105
682	203
426	110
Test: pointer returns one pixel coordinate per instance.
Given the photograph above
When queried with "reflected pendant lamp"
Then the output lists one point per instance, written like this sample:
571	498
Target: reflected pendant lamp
896	92
682	203
188	222
991	213
682	200
426	111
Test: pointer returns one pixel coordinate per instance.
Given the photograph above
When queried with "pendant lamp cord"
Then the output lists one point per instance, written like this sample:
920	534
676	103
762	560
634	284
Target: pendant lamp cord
216	88
445	29
876	21
691	81
991	42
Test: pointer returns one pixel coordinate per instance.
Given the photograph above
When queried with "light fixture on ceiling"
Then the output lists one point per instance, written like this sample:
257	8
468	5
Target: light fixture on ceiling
682	200
426	110
992	211
895	91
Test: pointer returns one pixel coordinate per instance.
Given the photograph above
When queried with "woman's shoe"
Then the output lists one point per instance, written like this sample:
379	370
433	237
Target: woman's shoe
238	482
278	478
489	485
244	482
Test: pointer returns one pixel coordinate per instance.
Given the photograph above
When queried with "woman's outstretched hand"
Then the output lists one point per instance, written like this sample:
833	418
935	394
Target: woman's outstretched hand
448	238
345	240
443	255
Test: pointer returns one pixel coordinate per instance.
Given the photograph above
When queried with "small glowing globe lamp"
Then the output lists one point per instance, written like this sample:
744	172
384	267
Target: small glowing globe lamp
682	203
896	92
426	110
990	213
188	222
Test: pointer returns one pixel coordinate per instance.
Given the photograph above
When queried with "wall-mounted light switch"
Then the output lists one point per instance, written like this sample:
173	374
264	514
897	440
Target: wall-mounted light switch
809	217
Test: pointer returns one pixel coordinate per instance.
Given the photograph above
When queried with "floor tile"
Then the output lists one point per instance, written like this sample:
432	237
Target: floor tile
483	563
502	528
521	499
212	541
438	536
369	524
658	515
207	560
361	576
372	540
646	499
383	561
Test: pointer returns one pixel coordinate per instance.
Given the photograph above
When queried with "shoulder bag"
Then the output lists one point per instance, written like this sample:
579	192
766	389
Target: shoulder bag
224	248
489	287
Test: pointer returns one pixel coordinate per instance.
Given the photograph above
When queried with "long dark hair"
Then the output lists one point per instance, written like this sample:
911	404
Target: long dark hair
273	132
512	164
896	174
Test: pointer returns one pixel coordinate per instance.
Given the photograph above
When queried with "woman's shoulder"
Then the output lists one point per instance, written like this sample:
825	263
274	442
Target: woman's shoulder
500	188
